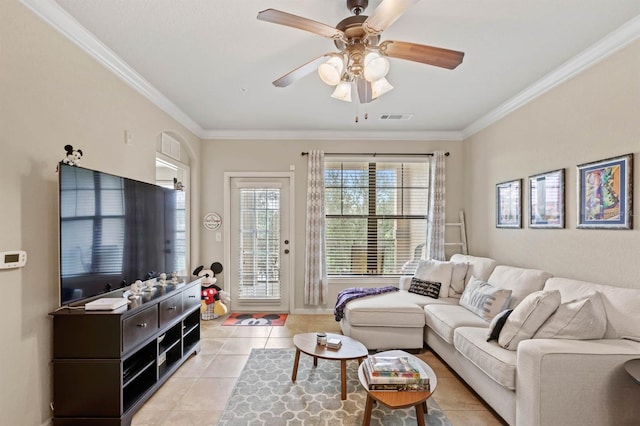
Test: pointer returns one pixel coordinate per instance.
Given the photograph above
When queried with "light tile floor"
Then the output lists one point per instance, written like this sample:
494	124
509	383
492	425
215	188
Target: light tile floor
197	393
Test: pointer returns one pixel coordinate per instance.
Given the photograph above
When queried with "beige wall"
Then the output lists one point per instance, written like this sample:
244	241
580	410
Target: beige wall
272	156
591	117
53	94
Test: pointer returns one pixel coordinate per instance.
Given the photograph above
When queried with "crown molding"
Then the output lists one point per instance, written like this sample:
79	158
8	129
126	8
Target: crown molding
331	135
613	42
54	15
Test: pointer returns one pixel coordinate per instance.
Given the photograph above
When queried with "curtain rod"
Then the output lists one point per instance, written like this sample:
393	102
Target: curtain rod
383	154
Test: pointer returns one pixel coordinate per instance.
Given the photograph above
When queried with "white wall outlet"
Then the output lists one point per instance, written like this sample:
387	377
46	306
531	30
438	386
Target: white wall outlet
218	237
292	167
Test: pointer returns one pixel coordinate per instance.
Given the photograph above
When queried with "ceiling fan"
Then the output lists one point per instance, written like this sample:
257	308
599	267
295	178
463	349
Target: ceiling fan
361	60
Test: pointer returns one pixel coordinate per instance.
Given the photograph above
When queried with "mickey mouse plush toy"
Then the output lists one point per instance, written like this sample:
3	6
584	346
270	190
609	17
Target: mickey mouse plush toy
73	156
211	303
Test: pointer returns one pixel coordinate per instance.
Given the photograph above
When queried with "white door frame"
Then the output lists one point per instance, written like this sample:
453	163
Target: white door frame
227	229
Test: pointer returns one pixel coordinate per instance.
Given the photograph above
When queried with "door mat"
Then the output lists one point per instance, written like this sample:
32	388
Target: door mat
255	319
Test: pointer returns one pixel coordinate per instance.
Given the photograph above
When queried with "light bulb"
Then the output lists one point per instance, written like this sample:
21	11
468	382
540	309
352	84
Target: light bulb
331	71
375	66
380	87
343	91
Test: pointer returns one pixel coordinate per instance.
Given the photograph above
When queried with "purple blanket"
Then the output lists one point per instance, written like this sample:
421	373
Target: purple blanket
349	294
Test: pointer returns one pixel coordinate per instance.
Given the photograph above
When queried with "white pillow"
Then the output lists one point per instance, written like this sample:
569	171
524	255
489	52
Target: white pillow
483	299
527	317
436	271
458	279
580	319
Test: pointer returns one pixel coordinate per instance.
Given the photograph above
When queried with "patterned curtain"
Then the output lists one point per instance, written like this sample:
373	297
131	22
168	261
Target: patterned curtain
316	288
435	222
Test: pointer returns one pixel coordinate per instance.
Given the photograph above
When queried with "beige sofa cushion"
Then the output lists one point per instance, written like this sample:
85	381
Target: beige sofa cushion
527	318
444	319
581	319
485	300
621	305
397	309
436	271
479	267
520	281
497	363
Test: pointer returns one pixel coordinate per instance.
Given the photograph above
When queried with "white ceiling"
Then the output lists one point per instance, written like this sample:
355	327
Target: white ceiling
210	63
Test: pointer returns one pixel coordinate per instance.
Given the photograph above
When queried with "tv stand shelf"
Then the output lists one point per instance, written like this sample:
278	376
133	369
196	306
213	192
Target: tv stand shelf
107	364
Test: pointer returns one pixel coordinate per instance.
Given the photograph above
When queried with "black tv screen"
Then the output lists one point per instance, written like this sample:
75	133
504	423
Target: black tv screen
113	231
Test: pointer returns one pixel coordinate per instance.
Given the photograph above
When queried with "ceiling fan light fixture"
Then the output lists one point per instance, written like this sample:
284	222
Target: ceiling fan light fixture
343	91
331	71
376	66
380	87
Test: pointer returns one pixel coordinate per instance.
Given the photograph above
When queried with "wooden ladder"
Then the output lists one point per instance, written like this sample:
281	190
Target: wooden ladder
463	233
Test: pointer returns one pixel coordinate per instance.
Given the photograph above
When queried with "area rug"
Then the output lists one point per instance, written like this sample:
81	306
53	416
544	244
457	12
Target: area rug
255	319
265	395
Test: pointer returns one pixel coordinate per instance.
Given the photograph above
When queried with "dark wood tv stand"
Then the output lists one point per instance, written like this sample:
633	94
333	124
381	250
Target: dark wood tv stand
107	364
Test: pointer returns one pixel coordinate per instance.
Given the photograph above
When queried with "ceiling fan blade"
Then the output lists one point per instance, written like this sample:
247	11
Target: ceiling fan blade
295	21
386	14
429	55
364	91
301	71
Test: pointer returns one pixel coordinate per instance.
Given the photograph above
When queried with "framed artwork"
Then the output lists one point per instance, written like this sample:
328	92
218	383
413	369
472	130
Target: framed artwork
605	193
546	200
508	204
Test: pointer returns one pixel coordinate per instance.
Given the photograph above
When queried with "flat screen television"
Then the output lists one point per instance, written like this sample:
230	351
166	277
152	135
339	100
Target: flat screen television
113	231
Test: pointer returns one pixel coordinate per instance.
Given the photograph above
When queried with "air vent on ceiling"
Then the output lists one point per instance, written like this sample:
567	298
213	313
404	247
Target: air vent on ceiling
170	146
395	116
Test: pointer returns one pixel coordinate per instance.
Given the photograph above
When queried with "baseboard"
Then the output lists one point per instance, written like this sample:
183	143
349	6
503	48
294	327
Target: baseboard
312	311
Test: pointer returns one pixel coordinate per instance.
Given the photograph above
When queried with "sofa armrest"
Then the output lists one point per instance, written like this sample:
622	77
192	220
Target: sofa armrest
576	382
405	282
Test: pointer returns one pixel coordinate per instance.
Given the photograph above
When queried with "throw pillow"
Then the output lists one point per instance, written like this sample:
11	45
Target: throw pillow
527	317
436	271
458	278
497	323
425	288
580	319
483	299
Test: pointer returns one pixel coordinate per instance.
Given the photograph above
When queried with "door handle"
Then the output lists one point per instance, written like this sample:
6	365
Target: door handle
286	251
286	241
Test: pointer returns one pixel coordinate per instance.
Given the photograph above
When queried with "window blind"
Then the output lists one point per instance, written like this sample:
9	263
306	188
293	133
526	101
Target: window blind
376	215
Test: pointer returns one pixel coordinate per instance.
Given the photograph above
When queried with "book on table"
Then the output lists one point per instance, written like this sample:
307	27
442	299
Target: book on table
334	343
408	377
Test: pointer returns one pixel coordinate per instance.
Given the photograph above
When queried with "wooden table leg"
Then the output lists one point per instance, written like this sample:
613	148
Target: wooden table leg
366	419
420	414
343	379
295	366
426	409
315	361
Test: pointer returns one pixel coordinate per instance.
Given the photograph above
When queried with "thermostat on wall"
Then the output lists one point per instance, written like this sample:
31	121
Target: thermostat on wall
13	259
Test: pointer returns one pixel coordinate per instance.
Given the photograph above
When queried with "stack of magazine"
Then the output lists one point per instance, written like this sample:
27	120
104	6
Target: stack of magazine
399	373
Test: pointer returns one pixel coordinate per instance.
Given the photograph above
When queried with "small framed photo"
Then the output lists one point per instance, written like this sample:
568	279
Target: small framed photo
546	200
605	193
508	204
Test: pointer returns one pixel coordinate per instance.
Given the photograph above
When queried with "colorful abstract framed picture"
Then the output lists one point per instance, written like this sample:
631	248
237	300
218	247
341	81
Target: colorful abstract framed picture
546	200
605	194
509	204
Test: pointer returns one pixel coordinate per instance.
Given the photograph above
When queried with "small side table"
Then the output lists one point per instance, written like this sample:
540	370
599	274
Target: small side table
633	368
401	399
350	349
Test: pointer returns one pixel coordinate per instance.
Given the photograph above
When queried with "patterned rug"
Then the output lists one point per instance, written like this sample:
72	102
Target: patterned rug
255	319
265	395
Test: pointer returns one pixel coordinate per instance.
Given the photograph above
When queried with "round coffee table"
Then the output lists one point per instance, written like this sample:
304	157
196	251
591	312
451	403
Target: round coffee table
399	399
350	349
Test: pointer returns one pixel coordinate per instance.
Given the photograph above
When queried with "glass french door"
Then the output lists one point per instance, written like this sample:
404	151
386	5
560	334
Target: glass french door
260	247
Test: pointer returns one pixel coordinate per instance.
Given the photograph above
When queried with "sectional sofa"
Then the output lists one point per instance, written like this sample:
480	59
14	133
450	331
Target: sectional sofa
540	381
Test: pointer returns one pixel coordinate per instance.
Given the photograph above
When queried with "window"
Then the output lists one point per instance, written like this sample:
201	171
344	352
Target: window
376	216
